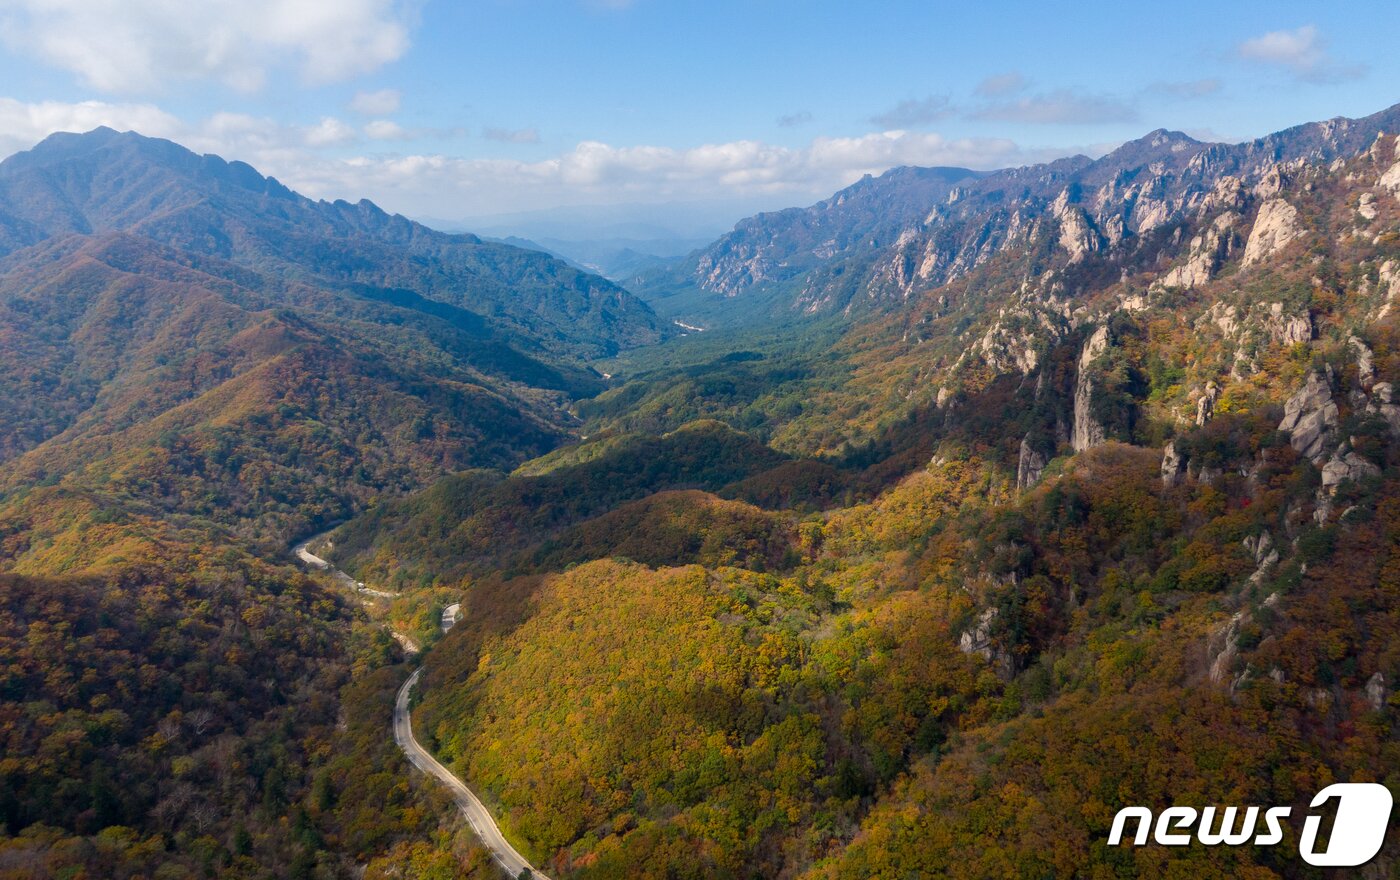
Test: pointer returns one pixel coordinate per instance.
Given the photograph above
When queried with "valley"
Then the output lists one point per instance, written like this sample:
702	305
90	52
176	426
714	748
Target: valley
986	504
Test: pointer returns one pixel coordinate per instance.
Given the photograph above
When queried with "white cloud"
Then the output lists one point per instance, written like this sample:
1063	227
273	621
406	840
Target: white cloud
386	130
599	173
1060	107
22	125
141	46
380	103
329	132
1302	51
310	158
1299	49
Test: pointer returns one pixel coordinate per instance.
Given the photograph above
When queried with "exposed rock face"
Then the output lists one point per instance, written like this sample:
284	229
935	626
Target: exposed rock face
1365	361
1346	467
1287	329
915	229
1030	466
1383	404
1087	431
1309	417
1228	638
979	638
1205	407
1376	691
1265	554
1208	251
1275	178
1173	465
1276	226
1366	207
1261	320
1077	235
1391	179
1390	283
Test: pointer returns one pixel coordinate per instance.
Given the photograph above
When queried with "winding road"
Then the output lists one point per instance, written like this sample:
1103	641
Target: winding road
477	816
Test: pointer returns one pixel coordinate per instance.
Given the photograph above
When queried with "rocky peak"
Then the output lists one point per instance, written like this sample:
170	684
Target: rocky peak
1159	145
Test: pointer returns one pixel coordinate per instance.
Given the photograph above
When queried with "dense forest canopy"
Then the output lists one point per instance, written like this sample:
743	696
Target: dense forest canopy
999	528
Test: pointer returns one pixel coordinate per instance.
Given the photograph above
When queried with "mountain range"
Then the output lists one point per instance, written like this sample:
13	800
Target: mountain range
986	505
879	241
158	303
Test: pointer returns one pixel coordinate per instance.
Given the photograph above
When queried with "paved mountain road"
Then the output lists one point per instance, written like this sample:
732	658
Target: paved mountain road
305	555
478	817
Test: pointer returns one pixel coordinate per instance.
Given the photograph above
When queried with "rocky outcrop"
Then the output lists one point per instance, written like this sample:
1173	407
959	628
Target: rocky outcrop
1376	691
1173	465
1205	407
1366	206
1391	178
1276	226
1087	431
1030	465
1077	235
1260	322
1365	361
1389	282
1226	644
1343	467
1208	251
1273	181
1382	403
1265	554
1287	329
978	640
1310	416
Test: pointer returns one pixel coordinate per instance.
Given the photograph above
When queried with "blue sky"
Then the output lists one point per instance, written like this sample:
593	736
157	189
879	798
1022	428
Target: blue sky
466	109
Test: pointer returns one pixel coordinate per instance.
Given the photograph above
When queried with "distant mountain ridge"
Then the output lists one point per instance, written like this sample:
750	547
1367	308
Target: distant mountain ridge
882	239
181	334
108	181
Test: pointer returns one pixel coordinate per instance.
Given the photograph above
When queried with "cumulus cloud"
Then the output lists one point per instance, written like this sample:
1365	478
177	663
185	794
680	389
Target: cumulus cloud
1001	84
257	140
1303	52
599	173
386	130
329	132
141	46
312	159
1299	49
24	124
914	112
512	135
380	103
1061	107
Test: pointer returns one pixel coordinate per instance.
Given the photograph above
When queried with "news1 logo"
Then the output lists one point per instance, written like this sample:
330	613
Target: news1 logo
1363	814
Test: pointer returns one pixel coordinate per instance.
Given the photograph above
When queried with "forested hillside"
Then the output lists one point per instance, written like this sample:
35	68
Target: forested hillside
183	338
198	366
1104	518
1078	492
